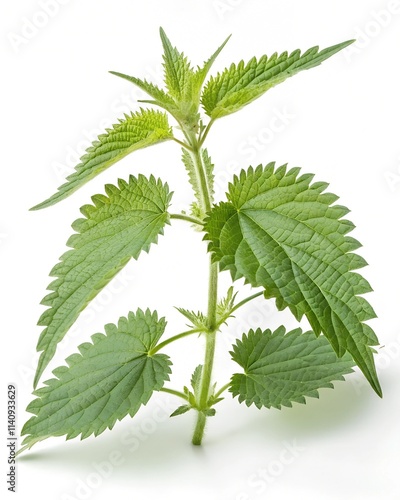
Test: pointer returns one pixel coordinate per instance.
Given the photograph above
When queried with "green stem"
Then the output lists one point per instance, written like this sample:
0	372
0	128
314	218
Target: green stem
174	393
205	133
244	301
206	205
172	339
183	144
209	355
187	218
223	389
204	388
205	192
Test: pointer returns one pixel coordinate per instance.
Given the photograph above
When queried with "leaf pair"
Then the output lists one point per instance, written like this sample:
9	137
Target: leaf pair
116	228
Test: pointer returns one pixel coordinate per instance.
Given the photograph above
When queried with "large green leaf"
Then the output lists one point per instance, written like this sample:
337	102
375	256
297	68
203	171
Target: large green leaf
115	229
239	85
280	368
136	131
283	233
110	378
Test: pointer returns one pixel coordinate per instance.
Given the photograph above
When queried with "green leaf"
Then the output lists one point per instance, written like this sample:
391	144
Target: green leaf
194	178
183	83
225	306
181	410
160	97
283	233
241	84
195	381
178	73
197	320
136	131
116	228
202	72
109	379
280	368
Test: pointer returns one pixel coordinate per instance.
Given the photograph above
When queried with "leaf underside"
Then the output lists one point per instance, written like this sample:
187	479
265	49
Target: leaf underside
284	234
109	379
283	368
241	84
115	229
136	131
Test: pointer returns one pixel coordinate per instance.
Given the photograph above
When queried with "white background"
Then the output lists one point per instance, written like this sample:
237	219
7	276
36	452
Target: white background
339	121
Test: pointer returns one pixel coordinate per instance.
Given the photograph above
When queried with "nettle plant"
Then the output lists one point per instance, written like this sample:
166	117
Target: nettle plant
276	228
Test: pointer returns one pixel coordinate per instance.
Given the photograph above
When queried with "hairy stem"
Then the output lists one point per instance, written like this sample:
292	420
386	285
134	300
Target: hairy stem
205	383
204	388
187	218
172	339
205	191
244	301
223	389
174	393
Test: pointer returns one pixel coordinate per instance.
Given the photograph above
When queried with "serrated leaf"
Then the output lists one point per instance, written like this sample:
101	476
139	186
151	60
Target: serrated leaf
160	97
282	368
197	320
241	84
196	380
136	131
115	229
194	176
283	233
109	379
177	70
225	306
201	73
180	410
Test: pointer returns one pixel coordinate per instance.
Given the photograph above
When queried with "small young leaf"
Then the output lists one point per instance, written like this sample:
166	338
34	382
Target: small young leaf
178	74
194	178
109	379
281	232
202	72
160	97
241	84
115	229
280	368
224	307
181	410
197	320
195	381
136	131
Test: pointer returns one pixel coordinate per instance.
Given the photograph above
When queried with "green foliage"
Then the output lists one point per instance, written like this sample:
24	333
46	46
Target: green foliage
110	378
283	233
136	131
277	229
281	368
116	228
241	84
